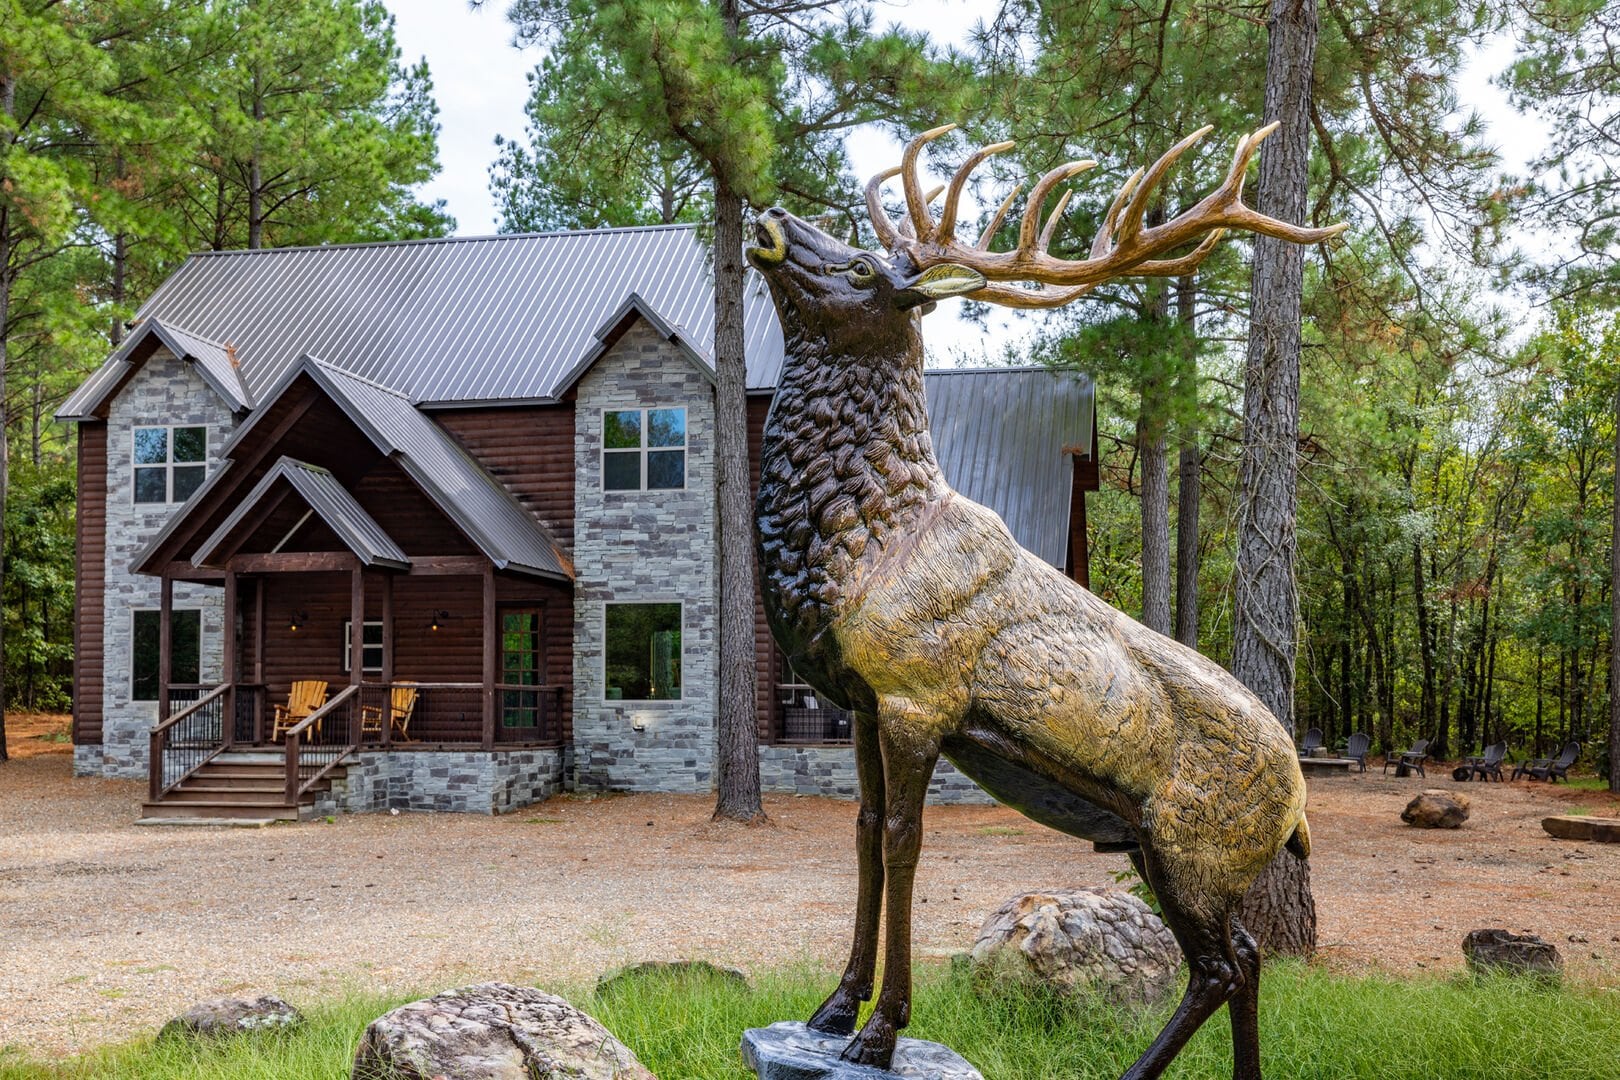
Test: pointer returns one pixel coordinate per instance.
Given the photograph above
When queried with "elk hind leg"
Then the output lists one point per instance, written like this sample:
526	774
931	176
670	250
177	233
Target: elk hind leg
1202	927
837	1015
1244	1007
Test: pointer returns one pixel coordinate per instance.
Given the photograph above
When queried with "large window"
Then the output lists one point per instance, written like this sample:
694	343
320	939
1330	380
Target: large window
644	449
170	463
185	651
643	652
371	646
522	664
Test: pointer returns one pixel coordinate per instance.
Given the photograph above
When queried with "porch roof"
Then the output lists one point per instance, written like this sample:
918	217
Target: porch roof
329	500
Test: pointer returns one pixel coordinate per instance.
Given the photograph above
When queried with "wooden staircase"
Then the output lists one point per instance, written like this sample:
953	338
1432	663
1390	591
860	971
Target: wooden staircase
238	787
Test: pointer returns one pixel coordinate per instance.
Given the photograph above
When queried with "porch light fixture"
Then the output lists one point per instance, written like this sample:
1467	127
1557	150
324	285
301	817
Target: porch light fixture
439	618
299	618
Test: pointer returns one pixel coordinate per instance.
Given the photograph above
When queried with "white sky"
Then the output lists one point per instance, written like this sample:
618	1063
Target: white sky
479	83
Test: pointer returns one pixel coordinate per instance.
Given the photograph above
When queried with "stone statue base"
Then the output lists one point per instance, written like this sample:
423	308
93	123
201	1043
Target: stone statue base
790	1051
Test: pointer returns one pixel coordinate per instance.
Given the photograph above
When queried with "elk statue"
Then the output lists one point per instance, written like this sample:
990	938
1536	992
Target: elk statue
914	607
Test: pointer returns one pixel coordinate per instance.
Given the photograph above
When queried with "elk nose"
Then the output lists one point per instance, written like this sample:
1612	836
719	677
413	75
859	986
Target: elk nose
775	213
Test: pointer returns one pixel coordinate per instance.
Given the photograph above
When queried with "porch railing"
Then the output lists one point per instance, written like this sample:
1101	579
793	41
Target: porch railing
188	739
319	741
452	714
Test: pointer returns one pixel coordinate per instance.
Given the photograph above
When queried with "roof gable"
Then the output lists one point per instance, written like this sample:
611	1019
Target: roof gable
214	361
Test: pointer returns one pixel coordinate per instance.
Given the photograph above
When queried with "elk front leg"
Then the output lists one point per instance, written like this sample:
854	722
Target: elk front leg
838	1013
910	751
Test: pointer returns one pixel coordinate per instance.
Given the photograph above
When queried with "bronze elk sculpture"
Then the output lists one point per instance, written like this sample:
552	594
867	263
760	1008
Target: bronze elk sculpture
914	607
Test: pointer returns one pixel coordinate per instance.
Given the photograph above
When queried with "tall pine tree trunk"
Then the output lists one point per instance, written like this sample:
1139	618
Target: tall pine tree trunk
1151	428
737	749
1279	909
1614	617
7	99
1189	469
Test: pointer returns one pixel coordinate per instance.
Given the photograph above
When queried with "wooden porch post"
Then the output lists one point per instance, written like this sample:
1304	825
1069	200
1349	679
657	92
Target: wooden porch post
491	640
165	643
357	643
388	657
261	584
228	665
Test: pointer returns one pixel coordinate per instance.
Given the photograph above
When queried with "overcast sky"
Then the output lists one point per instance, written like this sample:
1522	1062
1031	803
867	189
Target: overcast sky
478	79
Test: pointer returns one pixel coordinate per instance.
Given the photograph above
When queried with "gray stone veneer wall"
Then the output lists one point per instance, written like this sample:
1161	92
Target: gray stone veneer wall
830	770
647	547
165	391
447	781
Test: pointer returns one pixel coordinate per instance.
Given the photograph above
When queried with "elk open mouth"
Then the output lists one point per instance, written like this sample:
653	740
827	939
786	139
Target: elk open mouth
772	247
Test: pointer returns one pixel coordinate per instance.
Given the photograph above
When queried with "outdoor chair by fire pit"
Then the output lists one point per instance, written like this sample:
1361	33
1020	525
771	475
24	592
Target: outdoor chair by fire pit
1310	742
1487	766
1550	769
1356	749
1407	760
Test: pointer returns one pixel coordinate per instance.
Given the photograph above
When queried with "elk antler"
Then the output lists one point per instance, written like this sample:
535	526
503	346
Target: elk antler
1122	247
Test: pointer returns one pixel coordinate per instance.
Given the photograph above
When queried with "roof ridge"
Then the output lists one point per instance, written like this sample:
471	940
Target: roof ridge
484	237
374	384
172	325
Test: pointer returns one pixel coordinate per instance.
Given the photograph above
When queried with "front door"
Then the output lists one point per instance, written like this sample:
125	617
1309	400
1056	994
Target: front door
522	664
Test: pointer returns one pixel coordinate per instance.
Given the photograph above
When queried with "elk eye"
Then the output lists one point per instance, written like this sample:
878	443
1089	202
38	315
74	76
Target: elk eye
862	271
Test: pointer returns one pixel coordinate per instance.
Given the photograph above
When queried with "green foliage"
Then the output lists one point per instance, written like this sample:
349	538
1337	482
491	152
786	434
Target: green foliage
38	607
1314	1026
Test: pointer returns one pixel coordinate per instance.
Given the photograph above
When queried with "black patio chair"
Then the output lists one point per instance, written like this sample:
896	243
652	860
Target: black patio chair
1550	769
1487	766
1409	759
1310	742
1356	749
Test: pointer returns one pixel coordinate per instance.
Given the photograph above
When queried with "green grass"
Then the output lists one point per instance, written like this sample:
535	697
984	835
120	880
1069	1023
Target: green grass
1589	783
1315	1026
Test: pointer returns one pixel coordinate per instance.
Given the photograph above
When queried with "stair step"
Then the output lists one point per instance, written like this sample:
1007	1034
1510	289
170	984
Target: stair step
250	796
166	810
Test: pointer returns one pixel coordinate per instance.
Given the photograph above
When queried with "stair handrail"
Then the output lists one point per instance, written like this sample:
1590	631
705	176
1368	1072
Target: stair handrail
158	739
294	787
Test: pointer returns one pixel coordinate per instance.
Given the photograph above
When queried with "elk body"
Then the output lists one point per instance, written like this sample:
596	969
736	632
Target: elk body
907	603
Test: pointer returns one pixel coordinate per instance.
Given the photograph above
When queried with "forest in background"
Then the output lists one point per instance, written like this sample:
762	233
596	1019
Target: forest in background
1462	355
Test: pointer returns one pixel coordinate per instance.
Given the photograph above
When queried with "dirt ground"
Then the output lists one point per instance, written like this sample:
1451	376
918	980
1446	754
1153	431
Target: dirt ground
110	928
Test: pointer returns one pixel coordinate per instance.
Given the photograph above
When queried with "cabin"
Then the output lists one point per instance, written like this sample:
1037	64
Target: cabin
431	525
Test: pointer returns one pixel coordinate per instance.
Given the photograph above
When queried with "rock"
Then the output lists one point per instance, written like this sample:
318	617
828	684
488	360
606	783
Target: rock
1602	830
1501	952
1436	809
791	1051
1077	941
230	1016
622	978
492	1031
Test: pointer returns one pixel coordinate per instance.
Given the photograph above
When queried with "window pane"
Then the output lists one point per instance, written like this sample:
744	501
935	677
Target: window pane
371	634
151	445
666	427
621	471
371	656
191	444
185	646
187	478
666	469
151	485
643	652
622	430
144	657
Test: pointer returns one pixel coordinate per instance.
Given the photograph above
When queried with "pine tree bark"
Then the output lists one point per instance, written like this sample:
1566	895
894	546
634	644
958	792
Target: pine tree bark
8	108
1189	472
1279	910
1151	442
737	742
1614	617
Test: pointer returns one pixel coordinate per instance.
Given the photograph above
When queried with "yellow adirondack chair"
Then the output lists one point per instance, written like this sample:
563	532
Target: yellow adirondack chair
401	703
304	698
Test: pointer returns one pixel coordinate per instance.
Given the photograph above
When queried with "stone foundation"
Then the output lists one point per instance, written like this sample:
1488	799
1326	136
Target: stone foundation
87	760
446	781
830	771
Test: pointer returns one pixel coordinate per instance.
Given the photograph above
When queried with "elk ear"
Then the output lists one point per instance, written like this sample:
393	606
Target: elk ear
937	283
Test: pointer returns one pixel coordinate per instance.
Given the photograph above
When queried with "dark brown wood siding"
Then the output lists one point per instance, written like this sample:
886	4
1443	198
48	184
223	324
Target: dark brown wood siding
89	591
530	449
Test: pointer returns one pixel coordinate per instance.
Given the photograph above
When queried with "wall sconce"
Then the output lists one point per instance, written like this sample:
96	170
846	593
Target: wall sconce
438	622
299	619
638	724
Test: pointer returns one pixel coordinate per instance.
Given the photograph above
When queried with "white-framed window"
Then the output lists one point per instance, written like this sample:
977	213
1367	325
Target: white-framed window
371	646
641	659
644	449
170	463
185	650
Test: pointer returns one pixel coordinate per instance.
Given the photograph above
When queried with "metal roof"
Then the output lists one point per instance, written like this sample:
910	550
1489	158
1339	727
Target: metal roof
1000	436
212	359
330	500
479	319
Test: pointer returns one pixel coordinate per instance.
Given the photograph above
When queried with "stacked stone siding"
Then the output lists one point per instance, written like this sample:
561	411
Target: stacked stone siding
164	392
830	771
645	547
448	781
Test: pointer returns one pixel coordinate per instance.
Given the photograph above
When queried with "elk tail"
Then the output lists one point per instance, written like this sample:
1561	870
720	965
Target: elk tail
1300	842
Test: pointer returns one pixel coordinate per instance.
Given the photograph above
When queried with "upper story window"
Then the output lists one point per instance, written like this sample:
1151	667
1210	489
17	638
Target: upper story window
644	449
170	463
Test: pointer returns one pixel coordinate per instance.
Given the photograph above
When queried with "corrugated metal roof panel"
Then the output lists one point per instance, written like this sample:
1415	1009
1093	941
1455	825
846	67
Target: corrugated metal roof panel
212	358
330	500
999	435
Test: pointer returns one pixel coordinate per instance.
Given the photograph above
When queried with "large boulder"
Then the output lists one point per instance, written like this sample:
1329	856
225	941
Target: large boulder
492	1031
790	1051
232	1016
1436	809
1504	953
1091	940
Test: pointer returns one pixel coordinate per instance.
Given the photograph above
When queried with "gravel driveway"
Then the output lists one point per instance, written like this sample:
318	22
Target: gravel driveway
109	928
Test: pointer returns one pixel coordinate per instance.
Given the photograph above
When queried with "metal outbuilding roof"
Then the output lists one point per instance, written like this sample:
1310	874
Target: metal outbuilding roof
497	318
329	500
1000	436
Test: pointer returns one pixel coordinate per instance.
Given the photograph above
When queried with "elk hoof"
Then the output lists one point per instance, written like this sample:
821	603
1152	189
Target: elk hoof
836	1015
874	1046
